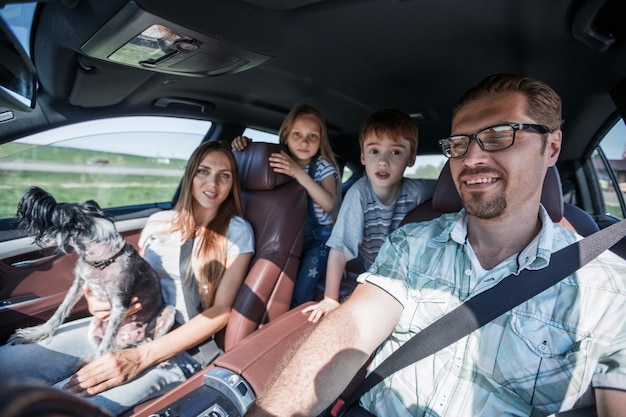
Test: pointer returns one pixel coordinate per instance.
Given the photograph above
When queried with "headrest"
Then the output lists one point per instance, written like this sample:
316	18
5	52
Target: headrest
447	200
255	172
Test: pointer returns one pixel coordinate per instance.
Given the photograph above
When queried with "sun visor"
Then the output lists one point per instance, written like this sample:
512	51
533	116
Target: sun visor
137	38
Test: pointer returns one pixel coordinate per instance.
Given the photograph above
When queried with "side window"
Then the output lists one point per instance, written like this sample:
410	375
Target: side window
610	164
426	166
260	136
116	162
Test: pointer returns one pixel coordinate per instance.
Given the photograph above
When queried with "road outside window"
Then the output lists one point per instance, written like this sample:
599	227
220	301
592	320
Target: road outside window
116	162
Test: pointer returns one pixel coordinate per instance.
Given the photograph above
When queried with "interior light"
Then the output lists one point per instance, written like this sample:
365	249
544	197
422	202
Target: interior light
155	44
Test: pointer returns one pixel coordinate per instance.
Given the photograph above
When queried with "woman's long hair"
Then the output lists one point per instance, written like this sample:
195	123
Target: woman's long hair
208	261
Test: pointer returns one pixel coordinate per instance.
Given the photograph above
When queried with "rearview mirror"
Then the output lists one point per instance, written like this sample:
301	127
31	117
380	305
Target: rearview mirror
18	78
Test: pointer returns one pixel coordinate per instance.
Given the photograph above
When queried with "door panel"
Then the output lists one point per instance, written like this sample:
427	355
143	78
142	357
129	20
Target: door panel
34	282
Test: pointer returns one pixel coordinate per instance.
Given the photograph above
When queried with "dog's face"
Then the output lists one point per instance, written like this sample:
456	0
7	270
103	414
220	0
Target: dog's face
39	214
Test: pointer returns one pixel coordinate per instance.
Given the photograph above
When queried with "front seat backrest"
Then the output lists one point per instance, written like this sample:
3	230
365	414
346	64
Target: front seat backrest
275	206
447	200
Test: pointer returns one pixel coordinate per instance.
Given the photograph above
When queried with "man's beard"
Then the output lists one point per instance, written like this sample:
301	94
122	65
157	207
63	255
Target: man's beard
477	205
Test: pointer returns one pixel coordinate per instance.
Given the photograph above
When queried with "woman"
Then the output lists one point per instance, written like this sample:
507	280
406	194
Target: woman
220	243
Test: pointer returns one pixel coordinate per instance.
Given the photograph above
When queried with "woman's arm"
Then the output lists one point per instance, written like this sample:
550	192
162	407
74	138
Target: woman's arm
115	368
207	323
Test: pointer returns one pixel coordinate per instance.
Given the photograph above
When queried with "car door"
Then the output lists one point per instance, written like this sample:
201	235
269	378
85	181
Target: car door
131	166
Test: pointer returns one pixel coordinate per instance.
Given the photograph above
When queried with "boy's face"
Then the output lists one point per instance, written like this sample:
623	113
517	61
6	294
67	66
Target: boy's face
385	160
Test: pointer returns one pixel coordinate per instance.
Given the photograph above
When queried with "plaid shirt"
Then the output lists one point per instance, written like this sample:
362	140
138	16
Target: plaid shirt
542	357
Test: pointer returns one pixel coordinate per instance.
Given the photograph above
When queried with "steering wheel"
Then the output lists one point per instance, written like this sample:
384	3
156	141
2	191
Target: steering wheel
25	398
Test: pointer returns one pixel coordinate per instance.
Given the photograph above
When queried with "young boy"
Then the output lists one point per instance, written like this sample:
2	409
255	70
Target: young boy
376	204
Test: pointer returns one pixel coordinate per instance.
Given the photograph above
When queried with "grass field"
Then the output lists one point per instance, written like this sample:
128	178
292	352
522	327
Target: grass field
98	182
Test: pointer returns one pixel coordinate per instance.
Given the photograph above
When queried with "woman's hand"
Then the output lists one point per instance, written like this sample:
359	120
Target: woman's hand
284	164
320	309
107	371
102	309
240	143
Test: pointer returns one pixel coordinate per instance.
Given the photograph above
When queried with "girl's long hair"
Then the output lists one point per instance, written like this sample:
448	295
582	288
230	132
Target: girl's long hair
208	261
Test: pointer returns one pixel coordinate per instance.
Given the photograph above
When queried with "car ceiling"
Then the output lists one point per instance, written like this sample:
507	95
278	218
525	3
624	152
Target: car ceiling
348	58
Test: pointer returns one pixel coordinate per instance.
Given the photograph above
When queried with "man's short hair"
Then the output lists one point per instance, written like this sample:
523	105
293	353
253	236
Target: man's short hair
543	103
393	123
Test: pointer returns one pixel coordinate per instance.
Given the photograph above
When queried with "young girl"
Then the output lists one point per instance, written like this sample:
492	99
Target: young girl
311	162
208	215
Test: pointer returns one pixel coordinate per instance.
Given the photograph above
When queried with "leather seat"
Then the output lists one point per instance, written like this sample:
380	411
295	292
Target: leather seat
447	200
275	206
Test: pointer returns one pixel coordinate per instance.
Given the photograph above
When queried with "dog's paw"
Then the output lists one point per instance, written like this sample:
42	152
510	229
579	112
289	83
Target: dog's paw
31	334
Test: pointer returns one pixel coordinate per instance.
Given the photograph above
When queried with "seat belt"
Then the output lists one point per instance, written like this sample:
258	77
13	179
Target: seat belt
487	306
188	280
207	351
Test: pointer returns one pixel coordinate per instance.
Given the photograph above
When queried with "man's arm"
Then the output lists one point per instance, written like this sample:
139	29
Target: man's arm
328	359
610	403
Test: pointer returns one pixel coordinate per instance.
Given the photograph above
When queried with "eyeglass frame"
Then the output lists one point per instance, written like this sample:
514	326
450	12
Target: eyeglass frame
541	129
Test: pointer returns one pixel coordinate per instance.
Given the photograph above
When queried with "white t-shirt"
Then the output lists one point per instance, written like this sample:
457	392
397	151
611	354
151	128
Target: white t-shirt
162	251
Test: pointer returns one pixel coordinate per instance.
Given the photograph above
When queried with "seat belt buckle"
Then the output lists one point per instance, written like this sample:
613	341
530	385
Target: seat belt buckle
337	407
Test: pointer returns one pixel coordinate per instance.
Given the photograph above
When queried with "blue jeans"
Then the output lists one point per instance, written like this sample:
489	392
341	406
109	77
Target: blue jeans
312	264
55	360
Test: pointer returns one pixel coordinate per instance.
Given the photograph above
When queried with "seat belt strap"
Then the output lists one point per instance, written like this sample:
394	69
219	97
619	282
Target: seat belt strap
188	280
490	304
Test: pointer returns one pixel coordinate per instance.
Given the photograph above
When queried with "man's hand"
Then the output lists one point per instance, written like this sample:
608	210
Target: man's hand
102	309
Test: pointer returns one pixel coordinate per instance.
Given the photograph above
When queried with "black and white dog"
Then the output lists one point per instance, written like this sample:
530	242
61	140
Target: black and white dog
109	266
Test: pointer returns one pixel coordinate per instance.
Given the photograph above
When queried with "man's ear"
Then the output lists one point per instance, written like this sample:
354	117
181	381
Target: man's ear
553	146
362	159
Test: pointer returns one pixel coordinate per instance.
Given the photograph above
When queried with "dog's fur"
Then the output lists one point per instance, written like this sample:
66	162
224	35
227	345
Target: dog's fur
107	265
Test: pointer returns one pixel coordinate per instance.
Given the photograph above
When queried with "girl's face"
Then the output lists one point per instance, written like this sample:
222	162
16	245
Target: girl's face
304	138
212	183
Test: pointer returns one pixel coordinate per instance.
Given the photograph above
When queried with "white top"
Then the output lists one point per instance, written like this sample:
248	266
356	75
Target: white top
162	251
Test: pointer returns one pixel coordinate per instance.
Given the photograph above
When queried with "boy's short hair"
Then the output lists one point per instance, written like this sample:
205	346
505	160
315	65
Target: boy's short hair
393	123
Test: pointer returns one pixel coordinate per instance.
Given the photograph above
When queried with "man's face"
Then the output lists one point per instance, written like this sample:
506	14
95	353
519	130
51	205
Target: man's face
505	182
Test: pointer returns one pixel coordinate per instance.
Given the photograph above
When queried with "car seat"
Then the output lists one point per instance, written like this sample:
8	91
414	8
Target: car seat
275	206
447	200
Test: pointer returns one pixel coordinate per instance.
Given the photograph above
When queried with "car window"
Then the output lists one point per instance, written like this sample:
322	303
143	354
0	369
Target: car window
610	164
426	166
116	162
261	136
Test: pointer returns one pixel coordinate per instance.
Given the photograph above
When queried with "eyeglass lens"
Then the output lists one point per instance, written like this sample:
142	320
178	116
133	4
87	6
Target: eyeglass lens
492	139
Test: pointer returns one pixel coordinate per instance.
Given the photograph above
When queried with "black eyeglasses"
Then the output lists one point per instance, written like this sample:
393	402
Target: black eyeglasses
491	139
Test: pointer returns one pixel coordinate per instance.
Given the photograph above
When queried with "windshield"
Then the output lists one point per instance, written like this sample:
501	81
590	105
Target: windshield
19	17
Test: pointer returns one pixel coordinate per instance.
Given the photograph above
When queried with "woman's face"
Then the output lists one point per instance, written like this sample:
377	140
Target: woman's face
212	182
